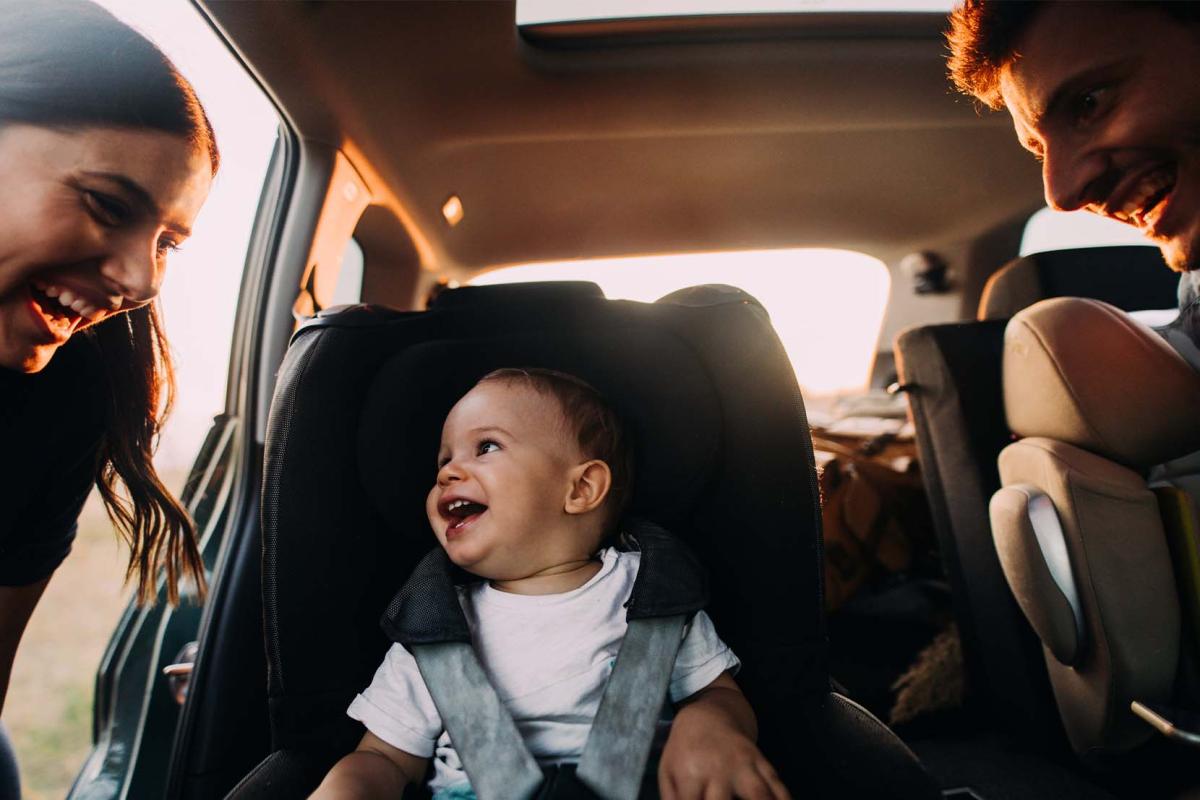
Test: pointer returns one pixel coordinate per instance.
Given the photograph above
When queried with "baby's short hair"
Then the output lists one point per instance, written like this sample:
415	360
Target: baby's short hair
598	429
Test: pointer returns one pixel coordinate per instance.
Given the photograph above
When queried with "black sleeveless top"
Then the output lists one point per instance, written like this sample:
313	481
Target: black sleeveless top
51	423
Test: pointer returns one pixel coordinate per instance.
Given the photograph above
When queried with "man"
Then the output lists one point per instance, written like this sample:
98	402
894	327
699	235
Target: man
1106	96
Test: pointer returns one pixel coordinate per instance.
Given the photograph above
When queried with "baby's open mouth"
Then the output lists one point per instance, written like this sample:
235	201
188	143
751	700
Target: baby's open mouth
460	512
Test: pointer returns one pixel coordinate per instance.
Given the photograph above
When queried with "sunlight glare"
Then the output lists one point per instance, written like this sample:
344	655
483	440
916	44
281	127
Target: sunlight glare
826	305
199	296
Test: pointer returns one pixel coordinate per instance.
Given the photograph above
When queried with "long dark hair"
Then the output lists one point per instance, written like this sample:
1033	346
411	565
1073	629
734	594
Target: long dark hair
69	64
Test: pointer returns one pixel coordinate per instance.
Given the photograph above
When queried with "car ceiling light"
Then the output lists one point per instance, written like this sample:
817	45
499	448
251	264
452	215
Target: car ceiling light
452	210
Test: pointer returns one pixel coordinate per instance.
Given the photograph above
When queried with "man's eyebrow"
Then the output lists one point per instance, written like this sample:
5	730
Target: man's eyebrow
140	197
1066	91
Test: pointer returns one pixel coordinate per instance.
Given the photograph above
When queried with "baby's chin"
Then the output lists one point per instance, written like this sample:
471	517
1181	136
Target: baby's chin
462	556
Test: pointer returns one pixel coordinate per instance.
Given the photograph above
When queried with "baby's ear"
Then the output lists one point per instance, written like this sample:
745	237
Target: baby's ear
590	482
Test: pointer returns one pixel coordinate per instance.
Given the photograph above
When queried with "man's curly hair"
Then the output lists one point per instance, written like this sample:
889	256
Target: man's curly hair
983	37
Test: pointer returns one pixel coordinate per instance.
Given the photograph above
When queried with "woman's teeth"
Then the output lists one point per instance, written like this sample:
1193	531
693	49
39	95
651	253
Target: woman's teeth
69	300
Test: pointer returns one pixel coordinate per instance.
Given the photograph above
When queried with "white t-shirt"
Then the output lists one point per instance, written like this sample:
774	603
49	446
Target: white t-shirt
548	656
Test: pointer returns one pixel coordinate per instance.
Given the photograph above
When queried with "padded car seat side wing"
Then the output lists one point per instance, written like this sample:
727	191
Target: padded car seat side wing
1127	647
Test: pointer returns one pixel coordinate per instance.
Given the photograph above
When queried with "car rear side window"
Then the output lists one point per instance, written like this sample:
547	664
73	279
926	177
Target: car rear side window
1048	230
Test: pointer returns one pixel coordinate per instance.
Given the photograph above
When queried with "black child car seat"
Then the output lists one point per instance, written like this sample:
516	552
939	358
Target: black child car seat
724	462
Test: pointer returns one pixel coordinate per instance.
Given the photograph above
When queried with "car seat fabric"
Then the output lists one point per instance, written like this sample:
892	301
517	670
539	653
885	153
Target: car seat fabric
952	374
1132	278
1088	446
725	463
952	377
670	581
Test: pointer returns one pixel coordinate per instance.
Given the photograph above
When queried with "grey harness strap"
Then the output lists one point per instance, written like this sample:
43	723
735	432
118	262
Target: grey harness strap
484	734
614	757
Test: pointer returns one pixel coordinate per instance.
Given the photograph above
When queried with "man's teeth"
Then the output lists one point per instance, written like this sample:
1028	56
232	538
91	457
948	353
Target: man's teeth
1135	206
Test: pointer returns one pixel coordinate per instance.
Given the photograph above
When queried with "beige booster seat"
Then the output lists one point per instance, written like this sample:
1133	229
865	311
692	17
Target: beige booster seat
1102	560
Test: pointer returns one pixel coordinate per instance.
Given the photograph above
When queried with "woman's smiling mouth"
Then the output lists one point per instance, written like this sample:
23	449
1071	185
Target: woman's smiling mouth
60	300
54	320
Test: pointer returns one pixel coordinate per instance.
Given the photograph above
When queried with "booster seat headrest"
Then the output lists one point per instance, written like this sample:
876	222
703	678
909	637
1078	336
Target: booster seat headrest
1083	372
653	380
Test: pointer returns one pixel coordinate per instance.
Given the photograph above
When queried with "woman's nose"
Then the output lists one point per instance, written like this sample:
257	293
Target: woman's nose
132	270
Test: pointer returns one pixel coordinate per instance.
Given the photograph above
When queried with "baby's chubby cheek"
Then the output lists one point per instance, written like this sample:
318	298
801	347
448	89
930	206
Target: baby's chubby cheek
431	512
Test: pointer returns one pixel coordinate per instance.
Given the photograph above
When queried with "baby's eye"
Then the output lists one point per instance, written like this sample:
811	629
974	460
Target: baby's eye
486	446
442	461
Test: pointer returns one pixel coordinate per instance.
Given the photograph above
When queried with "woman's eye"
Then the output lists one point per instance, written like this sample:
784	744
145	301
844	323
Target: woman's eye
487	446
105	209
166	246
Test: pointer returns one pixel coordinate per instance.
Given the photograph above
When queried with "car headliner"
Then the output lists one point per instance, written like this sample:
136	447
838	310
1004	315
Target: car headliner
739	133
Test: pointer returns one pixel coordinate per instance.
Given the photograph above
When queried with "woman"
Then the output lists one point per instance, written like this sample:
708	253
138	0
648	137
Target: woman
105	159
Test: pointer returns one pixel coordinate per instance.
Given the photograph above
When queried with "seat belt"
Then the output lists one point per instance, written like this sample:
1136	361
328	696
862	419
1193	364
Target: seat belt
614	757
480	727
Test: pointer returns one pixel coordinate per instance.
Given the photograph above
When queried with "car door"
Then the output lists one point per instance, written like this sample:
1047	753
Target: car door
147	670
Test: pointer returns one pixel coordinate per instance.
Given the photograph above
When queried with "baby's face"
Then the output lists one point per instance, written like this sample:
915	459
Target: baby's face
504	473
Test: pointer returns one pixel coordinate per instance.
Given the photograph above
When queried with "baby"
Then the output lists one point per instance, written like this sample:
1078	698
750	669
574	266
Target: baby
533	473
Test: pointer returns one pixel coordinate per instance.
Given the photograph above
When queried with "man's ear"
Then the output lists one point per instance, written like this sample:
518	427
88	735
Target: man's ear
590	482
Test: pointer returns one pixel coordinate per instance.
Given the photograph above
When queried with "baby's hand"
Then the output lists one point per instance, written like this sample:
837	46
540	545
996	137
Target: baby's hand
711	755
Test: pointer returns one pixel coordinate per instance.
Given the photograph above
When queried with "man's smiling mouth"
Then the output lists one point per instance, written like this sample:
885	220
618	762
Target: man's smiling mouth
1143	202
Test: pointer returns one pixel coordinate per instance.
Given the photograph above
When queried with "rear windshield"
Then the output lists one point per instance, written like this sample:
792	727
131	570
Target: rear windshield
826	305
535	12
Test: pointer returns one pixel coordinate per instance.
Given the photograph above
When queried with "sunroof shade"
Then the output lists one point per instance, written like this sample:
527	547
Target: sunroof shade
536	12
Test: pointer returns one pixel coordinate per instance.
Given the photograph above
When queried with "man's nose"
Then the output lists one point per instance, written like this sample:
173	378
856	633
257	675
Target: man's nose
132	270
1069	177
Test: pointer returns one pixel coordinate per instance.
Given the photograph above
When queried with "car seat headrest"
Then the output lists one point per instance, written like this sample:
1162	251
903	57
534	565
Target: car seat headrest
1085	373
1131	277
535	292
651	378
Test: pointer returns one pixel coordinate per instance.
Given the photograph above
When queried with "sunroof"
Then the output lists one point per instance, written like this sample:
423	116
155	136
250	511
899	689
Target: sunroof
536	12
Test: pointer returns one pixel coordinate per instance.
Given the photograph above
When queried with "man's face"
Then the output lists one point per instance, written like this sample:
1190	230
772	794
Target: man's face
1108	98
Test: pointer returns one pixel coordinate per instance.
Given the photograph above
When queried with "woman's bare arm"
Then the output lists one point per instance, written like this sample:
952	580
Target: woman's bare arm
16	606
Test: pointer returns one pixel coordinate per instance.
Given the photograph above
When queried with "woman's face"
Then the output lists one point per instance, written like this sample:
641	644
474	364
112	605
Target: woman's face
87	219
